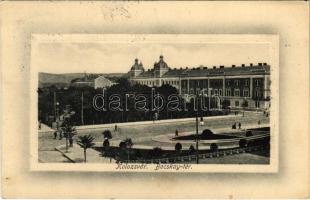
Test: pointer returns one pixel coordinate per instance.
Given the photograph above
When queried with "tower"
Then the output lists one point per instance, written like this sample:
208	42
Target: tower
136	69
160	67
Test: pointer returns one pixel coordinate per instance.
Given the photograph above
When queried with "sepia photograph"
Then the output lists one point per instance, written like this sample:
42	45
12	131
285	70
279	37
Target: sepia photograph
173	101
154	99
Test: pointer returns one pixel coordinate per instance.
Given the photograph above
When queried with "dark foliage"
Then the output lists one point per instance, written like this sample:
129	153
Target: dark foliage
213	147
107	134
73	95
248	134
178	147
243	143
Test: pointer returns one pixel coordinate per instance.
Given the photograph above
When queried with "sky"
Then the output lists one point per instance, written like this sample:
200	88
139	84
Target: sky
99	57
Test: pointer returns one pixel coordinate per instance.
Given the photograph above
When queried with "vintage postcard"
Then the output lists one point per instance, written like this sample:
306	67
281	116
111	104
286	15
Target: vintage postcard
155	103
154	99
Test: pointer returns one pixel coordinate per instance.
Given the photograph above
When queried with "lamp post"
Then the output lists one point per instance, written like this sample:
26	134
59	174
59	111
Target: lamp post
57	115
201	123
57	110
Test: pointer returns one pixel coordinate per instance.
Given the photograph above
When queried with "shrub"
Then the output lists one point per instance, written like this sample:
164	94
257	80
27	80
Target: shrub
128	142
191	149
107	134
213	147
122	145
242	143
207	132
178	147
156	152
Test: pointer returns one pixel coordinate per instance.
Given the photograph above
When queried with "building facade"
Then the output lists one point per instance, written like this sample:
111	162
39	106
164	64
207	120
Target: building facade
235	84
94	81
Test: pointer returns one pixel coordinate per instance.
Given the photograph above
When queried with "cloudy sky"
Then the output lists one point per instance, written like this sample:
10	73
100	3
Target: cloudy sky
119	57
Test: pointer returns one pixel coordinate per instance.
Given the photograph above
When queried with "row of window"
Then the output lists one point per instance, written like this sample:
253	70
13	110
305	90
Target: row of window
257	82
171	82
176	82
228	92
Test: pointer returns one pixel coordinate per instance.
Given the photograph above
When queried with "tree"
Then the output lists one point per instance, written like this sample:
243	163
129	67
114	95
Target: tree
178	147
106	145
85	142
68	132
129	145
107	134
125	147
191	149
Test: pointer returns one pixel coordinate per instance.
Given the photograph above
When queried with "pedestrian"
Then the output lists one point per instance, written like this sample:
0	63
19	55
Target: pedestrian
234	126
115	128
239	125
55	135
60	135
176	132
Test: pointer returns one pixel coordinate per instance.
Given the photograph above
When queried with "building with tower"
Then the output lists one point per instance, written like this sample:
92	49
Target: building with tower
235	84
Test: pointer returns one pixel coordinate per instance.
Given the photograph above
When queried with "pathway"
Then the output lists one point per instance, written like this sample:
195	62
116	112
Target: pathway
76	154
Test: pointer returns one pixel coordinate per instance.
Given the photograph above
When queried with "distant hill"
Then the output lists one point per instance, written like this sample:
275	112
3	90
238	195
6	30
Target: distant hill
62	80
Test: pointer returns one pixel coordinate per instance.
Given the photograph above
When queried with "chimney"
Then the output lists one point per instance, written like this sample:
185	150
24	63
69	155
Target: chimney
243	65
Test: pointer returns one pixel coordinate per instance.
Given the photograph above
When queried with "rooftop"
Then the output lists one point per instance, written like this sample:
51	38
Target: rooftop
260	68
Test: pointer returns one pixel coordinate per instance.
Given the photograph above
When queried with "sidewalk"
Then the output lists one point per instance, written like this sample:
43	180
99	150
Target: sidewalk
76	155
45	128
166	121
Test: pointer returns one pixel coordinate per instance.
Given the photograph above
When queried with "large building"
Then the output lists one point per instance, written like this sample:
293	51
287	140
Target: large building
236	84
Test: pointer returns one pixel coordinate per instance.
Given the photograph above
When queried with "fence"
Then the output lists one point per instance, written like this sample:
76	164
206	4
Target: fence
214	154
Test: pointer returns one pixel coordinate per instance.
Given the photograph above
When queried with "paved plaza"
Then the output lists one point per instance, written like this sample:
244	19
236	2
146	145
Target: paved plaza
144	135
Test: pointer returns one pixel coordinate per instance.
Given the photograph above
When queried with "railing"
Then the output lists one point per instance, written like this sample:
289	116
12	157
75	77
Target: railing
215	154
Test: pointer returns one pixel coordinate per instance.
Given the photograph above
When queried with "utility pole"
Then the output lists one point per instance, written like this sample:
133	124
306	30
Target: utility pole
55	109
82	108
197	135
